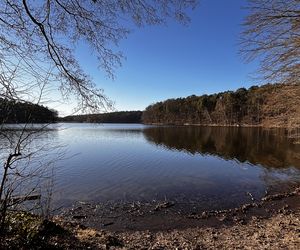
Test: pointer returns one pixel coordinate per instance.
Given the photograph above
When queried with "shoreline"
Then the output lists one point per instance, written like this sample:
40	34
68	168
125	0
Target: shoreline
165	215
223	125
271	223
287	127
193	125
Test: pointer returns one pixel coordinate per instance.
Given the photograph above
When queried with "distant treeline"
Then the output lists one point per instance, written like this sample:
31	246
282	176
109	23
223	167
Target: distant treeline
21	112
114	117
269	105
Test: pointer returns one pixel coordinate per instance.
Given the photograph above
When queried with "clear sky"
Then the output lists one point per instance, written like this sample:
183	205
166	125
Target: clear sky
176	61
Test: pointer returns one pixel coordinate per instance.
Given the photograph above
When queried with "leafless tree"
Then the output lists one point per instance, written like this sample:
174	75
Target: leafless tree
37	44
27	167
39	37
272	34
27	162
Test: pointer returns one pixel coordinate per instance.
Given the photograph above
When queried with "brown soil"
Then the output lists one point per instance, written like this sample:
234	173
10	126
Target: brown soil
271	223
280	231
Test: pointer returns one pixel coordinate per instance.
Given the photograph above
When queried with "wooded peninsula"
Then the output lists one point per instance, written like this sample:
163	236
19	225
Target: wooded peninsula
25	112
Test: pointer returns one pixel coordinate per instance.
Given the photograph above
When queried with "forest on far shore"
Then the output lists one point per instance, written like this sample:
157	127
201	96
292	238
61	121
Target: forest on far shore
271	105
113	117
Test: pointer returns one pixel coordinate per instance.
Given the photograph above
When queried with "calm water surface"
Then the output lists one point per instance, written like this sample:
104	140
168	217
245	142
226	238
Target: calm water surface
207	167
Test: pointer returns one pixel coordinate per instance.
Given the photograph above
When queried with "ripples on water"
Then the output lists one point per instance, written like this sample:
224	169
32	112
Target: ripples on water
212	167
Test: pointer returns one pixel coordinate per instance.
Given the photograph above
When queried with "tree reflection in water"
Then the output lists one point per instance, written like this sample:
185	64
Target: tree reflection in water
269	148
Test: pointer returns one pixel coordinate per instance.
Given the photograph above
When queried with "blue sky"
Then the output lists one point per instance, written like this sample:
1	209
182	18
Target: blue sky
173	60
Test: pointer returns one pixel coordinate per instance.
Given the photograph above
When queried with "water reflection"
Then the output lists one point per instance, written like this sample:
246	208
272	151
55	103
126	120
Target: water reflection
269	148
211	167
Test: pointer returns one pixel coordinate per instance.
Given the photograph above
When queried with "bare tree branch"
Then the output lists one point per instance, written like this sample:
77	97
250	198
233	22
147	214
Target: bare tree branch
272	34
44	34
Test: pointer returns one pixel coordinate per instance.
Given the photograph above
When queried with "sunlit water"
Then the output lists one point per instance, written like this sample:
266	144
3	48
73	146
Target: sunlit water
207	167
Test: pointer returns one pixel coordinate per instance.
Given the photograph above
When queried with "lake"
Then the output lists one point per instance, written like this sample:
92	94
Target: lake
203	167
